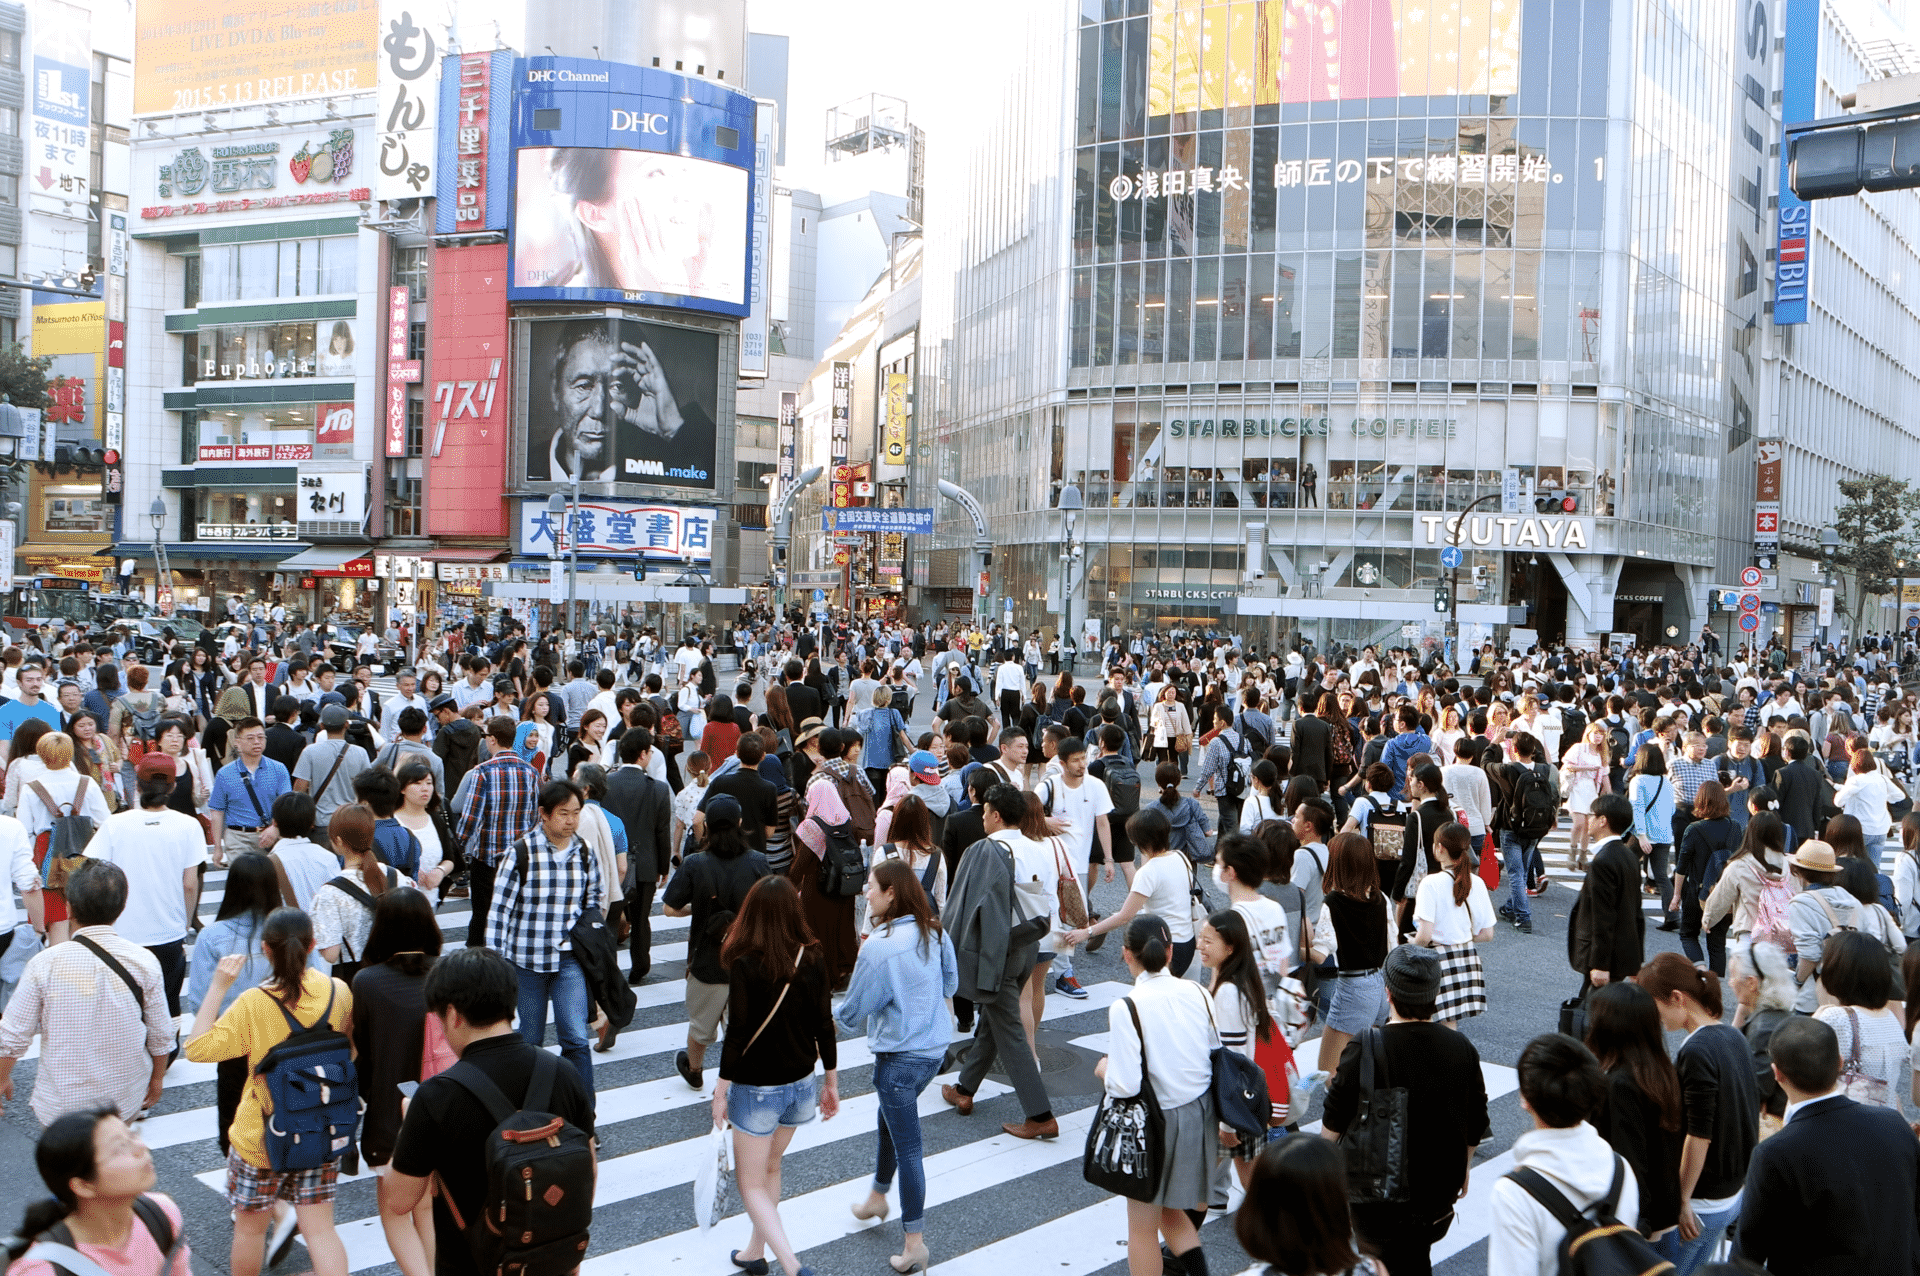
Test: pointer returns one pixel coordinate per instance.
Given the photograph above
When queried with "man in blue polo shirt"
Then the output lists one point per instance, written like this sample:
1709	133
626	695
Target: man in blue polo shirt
14	712
245	789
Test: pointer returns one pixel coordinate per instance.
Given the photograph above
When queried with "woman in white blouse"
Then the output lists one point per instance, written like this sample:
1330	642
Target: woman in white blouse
1865	795
1855	987
341	921
1174	1027
1168	721
1454	914
1583	777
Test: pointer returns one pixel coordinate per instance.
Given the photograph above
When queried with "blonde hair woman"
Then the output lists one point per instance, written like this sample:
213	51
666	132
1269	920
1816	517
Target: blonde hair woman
56	790
1583	778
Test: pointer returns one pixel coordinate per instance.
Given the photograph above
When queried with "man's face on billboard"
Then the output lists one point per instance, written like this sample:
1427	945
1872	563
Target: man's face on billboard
585	394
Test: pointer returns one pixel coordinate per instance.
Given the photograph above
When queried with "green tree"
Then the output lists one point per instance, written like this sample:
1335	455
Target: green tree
1875	527
23	378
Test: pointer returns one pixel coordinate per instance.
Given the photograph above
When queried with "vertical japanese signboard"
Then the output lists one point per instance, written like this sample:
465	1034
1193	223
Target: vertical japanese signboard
113	434
1794	220
407	103
470	175
398	370
753	332
842	412
58	150
1766	504
893	433
474	117
467	415
789	418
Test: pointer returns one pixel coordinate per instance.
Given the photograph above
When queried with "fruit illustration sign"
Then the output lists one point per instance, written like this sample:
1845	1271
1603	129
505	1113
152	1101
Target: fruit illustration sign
327	160
273	168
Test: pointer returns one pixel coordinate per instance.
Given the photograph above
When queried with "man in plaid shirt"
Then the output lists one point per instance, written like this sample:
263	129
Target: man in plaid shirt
1689	768
499	811
545	881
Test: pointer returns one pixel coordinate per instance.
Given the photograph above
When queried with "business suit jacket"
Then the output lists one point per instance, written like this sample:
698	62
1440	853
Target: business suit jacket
1835	1193
979	918
645	807
1805	796
805	703
963	829
1312	748
1609	928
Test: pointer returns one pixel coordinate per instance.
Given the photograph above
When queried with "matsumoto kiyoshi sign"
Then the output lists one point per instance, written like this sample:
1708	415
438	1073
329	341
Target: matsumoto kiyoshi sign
1507	531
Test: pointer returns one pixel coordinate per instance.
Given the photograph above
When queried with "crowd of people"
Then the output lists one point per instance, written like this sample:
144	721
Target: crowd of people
1314	850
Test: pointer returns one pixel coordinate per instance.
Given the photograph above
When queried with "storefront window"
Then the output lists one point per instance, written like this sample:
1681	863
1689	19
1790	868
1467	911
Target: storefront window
270	432
74	507
277	268
266	513
275	350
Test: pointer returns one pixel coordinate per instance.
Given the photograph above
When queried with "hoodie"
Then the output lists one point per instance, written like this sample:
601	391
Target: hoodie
1526	1238
1189	829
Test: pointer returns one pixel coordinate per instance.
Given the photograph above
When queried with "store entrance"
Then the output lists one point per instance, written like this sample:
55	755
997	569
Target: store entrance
1644	621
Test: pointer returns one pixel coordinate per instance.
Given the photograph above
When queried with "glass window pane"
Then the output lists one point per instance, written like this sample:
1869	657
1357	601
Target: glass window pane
1206	308
259	271
1233	307
219	263
309	267
289	280
338	265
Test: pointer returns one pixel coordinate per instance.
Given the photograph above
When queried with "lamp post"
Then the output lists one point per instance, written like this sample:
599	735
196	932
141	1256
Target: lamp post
556	519
1453	578
1069	504
1829	547
163	580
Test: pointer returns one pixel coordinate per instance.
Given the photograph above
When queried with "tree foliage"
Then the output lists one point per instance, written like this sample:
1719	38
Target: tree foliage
1876	530
23	378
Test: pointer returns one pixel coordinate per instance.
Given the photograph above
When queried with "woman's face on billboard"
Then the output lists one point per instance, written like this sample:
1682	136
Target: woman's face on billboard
657	225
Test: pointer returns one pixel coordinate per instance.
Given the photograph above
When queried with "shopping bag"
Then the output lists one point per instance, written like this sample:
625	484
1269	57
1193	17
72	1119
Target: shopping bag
713	1179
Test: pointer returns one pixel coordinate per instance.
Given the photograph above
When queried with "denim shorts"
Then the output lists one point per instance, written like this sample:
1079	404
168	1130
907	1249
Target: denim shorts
761	1109
1357	1003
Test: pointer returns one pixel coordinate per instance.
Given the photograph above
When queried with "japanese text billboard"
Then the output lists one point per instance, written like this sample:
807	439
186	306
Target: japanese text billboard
631	184
58	153
409	102
467	410
472	169
620	529
620	401
74	335
189	55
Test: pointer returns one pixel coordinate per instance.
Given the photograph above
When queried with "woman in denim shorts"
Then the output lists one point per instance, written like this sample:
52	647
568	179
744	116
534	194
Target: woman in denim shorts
777	982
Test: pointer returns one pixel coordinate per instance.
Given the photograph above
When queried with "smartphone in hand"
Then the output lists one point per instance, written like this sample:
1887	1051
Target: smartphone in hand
408	1088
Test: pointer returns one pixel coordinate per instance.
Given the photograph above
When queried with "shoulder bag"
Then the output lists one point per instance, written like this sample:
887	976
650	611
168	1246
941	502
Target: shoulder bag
1073	905
1375	1142
1855	1081
784	990
1127	1140
1239	1087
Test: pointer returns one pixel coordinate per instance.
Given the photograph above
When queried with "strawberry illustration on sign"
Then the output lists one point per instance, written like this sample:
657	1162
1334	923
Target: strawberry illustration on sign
301	164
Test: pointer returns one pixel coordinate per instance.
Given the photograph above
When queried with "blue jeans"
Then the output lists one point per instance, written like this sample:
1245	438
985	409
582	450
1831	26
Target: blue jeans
567	989
1516	850
1688	1257
898	1080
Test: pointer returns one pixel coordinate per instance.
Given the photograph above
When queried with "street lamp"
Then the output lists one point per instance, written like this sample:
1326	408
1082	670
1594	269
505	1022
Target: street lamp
556	518
1829	547
1453	579
1069	504
163	578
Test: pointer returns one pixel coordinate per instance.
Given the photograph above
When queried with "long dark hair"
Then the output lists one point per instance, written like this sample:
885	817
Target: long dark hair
1295	1217
909	899
771	927
253	889
288	936
1459	844
1240	970
405	932
1766	831
26	738
1623	1030
912	823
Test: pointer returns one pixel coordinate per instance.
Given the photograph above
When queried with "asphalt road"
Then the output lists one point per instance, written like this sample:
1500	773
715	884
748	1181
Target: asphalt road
995	1203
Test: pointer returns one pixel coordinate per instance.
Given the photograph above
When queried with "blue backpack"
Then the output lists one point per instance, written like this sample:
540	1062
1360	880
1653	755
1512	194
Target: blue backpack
315	1094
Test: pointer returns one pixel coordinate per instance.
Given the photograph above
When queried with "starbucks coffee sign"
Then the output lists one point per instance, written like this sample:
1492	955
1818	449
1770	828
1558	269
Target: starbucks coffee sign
1506	531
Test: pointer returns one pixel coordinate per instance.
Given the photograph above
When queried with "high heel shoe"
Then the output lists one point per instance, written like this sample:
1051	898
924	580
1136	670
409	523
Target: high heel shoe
865	1210
913	1260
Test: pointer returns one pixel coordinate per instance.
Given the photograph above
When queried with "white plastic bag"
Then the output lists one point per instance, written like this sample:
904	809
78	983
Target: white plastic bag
713	1179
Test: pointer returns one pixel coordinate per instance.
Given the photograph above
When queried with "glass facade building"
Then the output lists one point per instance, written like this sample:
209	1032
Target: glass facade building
1343	271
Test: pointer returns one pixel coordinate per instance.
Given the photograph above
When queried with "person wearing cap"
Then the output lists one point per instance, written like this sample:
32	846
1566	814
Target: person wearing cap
160	851
457	742
328	767
1822	907
710	887
1446	1111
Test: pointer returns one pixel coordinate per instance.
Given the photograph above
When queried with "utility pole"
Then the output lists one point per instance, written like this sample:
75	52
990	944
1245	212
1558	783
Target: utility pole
1453	577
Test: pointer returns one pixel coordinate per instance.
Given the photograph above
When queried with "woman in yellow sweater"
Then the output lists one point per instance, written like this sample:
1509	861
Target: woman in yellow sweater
251	1027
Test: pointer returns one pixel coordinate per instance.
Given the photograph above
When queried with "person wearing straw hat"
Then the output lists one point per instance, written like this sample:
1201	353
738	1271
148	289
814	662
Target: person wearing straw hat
806	753
1823	907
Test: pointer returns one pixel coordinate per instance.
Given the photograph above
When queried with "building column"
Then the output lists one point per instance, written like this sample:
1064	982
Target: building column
1590	580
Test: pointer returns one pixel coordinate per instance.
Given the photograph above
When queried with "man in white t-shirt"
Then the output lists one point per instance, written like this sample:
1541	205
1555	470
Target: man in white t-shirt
160	850
1083	804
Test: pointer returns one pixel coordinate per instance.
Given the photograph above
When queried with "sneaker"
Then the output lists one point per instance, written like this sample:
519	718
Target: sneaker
280	1240
1068	986
1525	928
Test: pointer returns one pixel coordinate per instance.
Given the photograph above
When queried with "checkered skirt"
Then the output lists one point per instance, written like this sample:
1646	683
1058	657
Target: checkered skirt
1463	985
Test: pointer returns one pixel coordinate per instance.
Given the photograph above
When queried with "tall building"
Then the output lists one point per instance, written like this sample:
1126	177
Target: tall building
1346	274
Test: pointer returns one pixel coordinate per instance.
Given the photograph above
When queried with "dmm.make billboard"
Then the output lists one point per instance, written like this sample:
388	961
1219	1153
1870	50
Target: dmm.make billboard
190	55
630	185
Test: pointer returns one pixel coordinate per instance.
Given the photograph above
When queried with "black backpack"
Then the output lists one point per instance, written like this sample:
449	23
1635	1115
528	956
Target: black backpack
1233	784
1123	784
1531	809
843	869
459	753
540	1171
360	734
1601	1245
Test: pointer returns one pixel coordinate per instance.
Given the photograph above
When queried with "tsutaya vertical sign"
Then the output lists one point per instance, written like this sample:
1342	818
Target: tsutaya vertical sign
408	99
1794	222
1766	492
398	369
789	417
842	412
467	453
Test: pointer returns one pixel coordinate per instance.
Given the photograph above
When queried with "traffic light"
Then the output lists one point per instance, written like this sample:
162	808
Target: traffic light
639	569
1442	599
1845	161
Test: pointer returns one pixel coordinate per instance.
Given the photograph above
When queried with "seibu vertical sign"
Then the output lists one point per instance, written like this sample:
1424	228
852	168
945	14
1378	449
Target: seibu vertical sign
401	371
467	414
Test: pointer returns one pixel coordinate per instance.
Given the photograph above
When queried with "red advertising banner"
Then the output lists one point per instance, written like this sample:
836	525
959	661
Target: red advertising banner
467	433
397	377
333	424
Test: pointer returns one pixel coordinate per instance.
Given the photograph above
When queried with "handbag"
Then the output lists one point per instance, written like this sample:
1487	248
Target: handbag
1127	1139
1073	905
1573	1017
1199	903
1375	1141
1855	1082
1239	1087
1183	742
713	1179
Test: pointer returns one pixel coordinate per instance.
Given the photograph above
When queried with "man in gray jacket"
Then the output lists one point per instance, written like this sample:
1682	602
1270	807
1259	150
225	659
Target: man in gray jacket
1000	907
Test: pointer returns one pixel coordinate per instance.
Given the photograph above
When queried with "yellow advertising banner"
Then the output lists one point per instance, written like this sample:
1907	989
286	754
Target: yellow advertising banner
74	335
192	55
893	434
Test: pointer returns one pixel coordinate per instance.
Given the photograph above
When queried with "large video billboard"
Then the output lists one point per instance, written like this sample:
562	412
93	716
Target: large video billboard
630	185
189	55
621	401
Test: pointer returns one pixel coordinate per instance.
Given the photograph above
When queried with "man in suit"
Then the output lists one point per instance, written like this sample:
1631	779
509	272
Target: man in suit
645	806
250	699
802	699
1606	938
1806	795
1312	740
1836	1192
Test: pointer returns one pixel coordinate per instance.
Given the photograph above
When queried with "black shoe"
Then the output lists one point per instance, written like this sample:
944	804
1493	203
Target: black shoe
636	977
1171	1264
688	1073
1668	926
1525	928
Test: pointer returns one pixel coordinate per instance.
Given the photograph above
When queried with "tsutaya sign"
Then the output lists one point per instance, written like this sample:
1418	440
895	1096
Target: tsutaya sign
1509	531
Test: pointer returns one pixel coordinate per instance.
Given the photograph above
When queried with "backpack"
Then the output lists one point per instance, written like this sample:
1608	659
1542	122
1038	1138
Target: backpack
344	971
1619	745
144	723
843	869
1717	865
63	844
539	1200
667	730
360	734
927	875
1597	1246
314	1091
1770	923
1531	810
1233	783
459	753
1387	828
56	1247
1123	784
902	701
